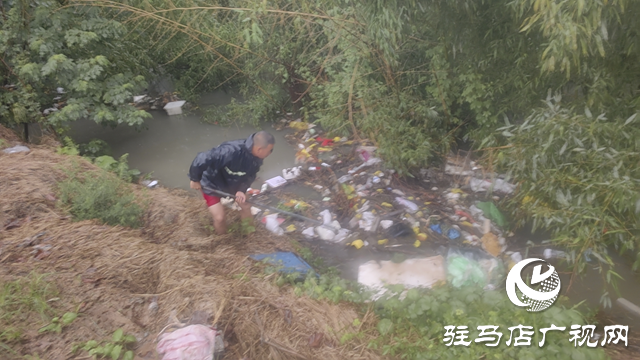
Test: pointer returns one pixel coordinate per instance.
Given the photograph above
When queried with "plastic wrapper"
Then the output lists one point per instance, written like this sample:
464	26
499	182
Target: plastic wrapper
273	225
411	207
194	342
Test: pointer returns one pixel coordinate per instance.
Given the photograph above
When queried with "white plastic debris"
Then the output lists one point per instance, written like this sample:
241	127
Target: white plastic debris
292	173
255	211
273	225
499	185
516	257
424	272
453	197
140	98
371	161
343	179
174	107
152	183
194	342
397	192
367	221
411	207
325	233
326	216
386	224
309	232
553	254
16	149
274	182
230	203
341	235
318	187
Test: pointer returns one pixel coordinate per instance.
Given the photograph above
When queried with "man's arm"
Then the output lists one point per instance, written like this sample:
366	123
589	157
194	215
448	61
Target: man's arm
204	160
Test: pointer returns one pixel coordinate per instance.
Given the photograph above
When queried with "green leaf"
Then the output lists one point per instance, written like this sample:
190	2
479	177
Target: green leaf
115	352
118	335
90	345
630	119
130	339
68	318
105	162
128	355
385	326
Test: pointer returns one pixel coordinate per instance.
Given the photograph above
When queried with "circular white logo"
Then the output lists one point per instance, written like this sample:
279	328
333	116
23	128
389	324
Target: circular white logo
534	299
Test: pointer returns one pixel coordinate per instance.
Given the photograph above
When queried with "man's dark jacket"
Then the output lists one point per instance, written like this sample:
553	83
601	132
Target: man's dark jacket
230	167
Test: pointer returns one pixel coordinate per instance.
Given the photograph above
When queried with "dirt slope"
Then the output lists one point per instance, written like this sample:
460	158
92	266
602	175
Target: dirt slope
115	273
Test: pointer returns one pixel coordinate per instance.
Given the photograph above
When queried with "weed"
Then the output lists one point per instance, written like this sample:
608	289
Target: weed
57	323
28	295
119	167
113	349
103	197
69	148
20	300
244	227
3	143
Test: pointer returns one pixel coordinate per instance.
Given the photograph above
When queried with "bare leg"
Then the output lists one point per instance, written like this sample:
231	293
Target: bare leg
217	212
245	211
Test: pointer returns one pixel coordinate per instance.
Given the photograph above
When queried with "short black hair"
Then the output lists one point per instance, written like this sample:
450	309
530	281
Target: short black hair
263	139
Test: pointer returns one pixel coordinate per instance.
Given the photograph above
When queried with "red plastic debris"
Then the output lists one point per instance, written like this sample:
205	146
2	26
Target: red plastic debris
325	142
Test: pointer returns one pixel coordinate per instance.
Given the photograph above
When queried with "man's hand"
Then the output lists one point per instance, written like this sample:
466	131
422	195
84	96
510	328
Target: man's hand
195	185
240	197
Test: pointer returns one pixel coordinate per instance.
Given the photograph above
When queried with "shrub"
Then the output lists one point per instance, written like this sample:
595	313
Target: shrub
101	196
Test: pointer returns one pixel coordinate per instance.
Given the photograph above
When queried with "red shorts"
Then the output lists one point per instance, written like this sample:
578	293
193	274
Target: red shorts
211	200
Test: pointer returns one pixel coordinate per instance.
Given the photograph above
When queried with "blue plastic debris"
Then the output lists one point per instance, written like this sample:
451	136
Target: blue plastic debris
453	234
289	262
436	228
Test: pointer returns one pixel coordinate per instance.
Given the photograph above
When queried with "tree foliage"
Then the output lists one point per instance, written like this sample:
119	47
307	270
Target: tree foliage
78	58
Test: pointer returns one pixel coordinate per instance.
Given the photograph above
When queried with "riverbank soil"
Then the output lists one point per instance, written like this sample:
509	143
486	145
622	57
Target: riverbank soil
112	276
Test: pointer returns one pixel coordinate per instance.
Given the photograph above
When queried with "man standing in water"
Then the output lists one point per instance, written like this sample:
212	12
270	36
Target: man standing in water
230	167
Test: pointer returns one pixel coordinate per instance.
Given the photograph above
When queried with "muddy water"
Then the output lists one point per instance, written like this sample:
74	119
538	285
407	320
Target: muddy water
169	144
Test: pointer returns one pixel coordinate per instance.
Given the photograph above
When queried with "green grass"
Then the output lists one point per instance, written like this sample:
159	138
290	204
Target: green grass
101	196
21	300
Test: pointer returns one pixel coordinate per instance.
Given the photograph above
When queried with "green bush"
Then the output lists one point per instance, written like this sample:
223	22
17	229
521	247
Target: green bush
120	167
94	149
101	196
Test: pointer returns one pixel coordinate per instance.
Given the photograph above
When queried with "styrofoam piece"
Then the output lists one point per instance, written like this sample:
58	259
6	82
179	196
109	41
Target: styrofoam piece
420	272
276	181
138	98
174	107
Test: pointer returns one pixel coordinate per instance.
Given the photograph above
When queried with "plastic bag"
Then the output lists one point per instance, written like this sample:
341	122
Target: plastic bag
472	267
273	225
411	207
194	342
309	232
324	233
326	217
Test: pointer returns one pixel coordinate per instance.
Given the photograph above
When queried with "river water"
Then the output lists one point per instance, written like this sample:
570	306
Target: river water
169	144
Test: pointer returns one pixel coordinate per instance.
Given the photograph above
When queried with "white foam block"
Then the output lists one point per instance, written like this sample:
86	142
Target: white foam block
423	272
